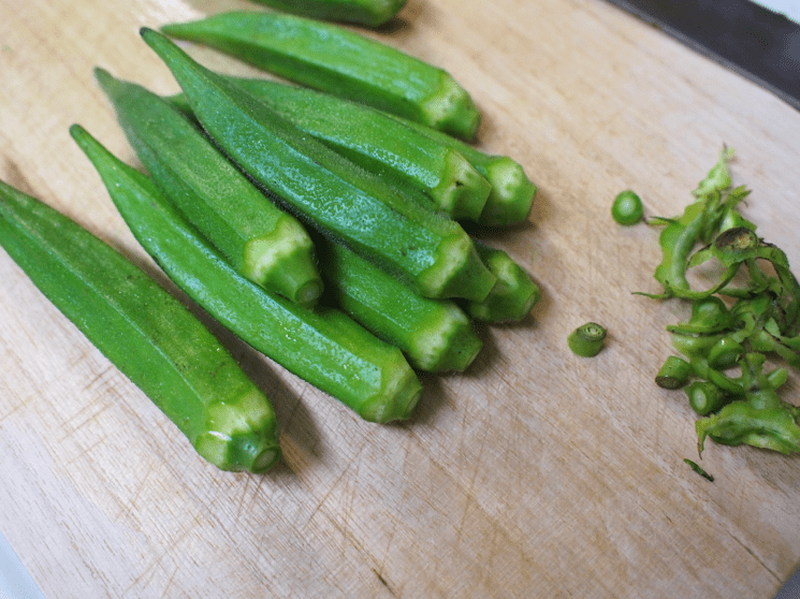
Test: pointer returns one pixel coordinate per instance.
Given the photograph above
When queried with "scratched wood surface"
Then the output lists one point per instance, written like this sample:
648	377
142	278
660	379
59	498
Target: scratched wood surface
536	474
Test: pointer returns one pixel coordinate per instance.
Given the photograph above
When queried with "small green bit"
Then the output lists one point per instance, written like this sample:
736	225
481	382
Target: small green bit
696	467
705	397
627	208
674	373
587	340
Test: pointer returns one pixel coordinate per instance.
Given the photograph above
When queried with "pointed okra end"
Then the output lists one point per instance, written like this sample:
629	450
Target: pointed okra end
462	191
240	435
512	194
284	261
451	109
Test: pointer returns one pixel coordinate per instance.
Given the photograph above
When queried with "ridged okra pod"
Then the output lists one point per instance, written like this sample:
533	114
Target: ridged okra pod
430	252
380	144
331	58
145	332
435	335
371	13
263	242
322	346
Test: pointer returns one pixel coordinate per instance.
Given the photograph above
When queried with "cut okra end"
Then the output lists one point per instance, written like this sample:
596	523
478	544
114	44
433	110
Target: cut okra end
458	273
446	342
241	435
514	295
451	109
284	262
463	191
511	198
397	401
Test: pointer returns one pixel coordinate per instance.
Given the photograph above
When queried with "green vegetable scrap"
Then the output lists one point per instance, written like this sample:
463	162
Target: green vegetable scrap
264	243
696	467
674	373
323	346
587	340
627	208
748	317
371	13
331	58
344	202
145	332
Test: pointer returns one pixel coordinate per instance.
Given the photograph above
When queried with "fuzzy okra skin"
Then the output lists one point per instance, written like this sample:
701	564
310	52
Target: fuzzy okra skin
263	242
323	346
371	13
331	58
435	335
432	253
145	332
514	295
380	144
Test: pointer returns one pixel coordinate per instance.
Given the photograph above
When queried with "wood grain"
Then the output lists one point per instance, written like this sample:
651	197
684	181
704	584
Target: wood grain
536	474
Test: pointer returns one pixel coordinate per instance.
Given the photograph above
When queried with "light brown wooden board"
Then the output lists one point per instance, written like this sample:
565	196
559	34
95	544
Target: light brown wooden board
536	474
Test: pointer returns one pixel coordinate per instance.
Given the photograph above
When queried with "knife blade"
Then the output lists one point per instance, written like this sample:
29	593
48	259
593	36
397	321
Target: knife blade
758	43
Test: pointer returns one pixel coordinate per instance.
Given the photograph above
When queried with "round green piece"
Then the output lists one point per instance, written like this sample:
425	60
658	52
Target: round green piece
627	208
587	340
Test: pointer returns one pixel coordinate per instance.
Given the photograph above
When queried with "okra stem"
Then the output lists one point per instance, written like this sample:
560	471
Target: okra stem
432	253
334	59
322	346
145	332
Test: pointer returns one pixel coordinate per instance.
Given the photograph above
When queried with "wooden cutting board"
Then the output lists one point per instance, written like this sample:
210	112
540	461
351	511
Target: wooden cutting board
537	473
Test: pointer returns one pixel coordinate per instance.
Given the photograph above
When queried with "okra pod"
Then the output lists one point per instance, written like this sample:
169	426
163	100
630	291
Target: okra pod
145	332
334	59
432	253
514	294
380	144
435	335
371	13
263	242
322	346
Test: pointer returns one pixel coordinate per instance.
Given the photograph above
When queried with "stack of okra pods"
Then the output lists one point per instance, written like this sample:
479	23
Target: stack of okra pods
322	226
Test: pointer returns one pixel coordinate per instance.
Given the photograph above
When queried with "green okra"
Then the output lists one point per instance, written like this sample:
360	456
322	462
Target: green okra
511	197
435	335
263	242
380	144
432	253
145	332
334	59
514	294
371	13
674	373
587	340
322	346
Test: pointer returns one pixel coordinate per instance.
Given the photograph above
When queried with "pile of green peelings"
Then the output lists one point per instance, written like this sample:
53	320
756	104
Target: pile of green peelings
744	330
